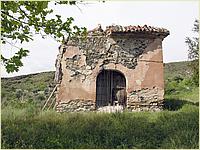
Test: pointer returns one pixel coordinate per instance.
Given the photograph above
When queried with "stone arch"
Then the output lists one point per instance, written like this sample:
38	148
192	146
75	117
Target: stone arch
110	88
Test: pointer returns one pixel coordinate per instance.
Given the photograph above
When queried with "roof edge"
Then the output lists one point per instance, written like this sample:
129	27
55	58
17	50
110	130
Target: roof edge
131	29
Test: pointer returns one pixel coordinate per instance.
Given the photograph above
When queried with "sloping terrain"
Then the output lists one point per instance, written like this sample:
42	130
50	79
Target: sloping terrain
33	87
174	69
38	86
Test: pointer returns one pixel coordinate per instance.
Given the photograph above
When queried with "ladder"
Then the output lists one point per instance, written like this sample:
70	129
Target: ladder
48	100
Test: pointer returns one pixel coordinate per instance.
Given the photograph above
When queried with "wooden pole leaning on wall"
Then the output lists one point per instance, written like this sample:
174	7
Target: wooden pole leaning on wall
50	97
54	107
51	103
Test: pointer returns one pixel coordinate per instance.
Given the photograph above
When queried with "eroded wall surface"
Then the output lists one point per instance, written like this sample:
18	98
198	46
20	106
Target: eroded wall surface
139	59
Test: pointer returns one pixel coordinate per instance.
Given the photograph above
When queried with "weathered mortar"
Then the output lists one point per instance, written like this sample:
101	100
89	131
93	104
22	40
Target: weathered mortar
138	56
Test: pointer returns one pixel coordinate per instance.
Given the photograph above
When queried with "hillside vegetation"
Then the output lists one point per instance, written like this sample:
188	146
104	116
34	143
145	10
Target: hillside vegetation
175	69
179	84
33	88
24	125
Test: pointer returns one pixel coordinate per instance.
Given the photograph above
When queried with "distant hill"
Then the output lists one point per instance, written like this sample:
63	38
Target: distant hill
176	69
35	87
39	85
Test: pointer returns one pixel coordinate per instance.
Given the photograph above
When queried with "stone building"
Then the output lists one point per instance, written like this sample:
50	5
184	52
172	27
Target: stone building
121	66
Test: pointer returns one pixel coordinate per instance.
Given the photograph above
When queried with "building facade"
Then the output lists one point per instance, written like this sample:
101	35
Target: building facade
121	66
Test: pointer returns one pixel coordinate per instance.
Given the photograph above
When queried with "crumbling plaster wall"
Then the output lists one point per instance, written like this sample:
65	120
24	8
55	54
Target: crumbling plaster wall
138	58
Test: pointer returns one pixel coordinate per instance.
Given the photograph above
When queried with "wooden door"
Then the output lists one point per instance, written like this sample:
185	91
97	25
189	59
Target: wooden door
111	88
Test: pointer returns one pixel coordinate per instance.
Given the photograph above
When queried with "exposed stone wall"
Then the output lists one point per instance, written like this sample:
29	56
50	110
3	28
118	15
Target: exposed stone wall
123	51
145	100
58	73
76	106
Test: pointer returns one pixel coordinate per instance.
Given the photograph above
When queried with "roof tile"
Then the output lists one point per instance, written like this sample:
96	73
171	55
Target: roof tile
136	29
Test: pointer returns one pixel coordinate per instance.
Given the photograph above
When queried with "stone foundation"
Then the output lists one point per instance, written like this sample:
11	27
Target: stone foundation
76	106
145	100
141	100
70	107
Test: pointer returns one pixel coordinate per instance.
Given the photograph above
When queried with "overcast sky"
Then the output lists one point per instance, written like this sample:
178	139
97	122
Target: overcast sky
178	17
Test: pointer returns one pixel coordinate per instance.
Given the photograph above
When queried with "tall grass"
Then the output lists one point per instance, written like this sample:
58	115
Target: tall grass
191	95
29	128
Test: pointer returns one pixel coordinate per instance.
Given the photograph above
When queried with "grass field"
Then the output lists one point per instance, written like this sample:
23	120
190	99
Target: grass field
26	128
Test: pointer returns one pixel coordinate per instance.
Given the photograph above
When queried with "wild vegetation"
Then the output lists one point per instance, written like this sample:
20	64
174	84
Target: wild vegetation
24	125
26	128
193	52
33	88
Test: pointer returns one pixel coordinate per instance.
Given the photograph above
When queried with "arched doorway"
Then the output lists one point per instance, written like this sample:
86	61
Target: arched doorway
110	88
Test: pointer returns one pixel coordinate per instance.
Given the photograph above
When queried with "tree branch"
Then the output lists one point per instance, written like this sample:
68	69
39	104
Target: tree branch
14	17
12	44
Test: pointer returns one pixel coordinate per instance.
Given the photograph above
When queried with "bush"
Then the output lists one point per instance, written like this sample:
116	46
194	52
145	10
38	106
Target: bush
178	85
40	97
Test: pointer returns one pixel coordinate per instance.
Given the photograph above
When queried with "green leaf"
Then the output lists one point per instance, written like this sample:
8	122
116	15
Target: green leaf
20	19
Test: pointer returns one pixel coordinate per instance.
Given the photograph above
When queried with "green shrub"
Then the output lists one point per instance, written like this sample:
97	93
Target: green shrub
40	97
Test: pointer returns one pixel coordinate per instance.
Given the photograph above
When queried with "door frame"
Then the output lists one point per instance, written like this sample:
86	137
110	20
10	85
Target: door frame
124	82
